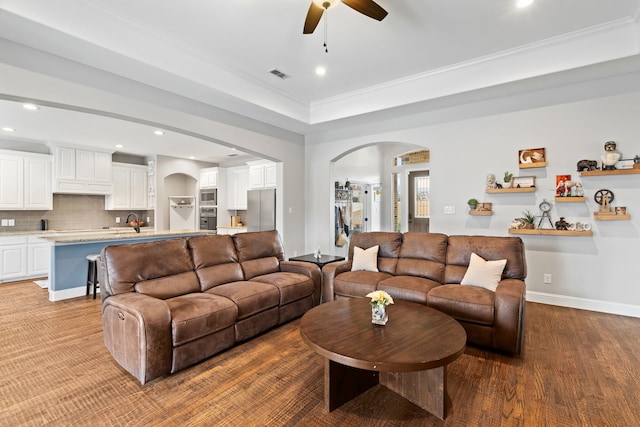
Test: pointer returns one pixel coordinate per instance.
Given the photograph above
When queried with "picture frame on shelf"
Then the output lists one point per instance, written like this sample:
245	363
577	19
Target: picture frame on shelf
624	164
563	185
523	182
532	158
484	207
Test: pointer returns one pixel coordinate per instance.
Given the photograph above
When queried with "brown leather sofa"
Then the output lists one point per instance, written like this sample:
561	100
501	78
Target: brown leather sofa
427	268
169	304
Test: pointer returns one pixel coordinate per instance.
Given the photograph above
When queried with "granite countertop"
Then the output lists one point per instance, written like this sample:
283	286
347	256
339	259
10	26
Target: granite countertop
75	231
119	234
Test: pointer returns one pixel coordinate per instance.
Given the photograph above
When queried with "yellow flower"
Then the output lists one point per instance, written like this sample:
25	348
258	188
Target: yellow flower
380	298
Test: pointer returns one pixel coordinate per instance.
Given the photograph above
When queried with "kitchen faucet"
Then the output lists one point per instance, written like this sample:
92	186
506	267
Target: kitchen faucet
137	226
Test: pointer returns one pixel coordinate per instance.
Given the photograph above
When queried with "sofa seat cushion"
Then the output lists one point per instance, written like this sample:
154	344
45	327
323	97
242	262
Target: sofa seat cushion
408	288
196	315
250	297
465	303
357	283
292	286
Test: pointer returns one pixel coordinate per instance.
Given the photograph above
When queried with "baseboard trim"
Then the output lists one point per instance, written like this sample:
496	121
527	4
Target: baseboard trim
584	303
68	293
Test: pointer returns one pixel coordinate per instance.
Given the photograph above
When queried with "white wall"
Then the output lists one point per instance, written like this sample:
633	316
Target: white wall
593	272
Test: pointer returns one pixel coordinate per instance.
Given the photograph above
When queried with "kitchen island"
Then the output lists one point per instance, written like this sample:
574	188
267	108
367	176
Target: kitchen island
68	272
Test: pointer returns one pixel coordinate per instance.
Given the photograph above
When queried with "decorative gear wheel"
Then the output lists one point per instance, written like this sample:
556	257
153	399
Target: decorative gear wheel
601	194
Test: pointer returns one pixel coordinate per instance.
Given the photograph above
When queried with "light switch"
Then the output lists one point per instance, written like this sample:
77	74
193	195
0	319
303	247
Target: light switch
5	222
12	223
117	220
450	210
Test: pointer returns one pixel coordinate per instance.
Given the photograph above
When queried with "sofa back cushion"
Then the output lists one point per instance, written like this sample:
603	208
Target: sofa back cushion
259	252
215	260
423	255
490	248
388	252
161	269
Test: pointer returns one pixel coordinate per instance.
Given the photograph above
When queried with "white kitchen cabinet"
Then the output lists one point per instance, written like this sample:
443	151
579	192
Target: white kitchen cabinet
13	258
237	186
25	181
262	175
11	182
230	230
209	178
38	257
82	171
37	183
130	187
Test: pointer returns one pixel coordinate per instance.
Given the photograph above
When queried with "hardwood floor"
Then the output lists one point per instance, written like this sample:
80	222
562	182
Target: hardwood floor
577	368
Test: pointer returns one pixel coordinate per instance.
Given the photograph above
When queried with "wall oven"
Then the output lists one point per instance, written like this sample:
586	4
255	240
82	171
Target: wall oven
208	218
209	197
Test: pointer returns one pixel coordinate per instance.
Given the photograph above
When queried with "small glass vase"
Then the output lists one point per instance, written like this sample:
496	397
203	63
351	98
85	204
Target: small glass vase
379	314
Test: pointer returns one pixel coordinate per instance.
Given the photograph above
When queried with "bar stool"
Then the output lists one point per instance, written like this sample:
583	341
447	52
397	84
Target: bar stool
92	273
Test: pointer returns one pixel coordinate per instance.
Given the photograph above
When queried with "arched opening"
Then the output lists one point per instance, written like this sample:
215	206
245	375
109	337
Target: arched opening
374	198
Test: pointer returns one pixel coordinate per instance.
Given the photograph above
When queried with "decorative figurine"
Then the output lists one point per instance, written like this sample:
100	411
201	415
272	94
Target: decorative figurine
587	165
604	197
610	157
579	192
561	224
491	181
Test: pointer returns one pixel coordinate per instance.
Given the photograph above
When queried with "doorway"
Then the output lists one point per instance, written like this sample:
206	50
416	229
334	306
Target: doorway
419	211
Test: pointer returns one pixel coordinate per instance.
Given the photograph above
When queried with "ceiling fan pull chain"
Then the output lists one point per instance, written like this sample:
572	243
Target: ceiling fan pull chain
326	49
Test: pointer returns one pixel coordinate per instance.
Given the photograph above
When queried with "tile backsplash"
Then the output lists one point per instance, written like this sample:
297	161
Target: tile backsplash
71	212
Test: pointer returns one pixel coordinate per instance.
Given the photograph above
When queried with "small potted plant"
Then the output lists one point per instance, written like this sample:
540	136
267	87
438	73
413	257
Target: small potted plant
473	204
507	179
529	220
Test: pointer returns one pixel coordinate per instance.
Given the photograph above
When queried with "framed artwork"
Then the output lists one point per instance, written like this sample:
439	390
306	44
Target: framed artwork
484	207
563	185
624	164
523	181
532	158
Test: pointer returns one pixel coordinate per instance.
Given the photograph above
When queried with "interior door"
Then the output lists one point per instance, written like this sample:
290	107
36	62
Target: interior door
419	201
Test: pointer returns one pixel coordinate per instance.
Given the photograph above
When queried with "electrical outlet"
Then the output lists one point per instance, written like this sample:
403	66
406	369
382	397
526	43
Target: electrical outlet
450	210
5	222
117	220
148	220
547	278
12	223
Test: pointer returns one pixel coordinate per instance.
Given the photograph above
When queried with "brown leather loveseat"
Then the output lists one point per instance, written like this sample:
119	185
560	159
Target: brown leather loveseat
428	267
169	304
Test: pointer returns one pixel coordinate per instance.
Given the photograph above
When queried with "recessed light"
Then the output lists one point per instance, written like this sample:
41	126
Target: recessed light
191	157
321	71
524	3
8	129
31	107
119	146
158	132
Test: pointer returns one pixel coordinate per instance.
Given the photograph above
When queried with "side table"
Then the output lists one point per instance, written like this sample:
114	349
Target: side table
320	262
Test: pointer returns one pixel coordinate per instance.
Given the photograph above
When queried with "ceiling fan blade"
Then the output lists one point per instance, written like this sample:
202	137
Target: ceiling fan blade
367	7
313	17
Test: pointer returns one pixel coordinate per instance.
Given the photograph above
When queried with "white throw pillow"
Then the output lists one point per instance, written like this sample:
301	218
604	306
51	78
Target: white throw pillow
365	259
486	274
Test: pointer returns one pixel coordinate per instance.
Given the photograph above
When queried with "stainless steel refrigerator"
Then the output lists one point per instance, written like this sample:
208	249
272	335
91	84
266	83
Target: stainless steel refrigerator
261	210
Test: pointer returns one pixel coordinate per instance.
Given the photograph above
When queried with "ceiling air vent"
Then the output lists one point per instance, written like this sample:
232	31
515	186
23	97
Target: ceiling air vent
231	155
279	73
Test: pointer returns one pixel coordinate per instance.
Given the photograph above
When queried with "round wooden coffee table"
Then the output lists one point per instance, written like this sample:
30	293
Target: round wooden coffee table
409	355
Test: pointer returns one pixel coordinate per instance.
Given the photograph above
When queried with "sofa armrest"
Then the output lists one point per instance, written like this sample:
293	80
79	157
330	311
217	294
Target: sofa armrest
310	270
329	272
509	306
137	332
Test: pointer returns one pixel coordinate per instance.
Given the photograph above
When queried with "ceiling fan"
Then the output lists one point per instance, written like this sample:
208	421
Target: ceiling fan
317	8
